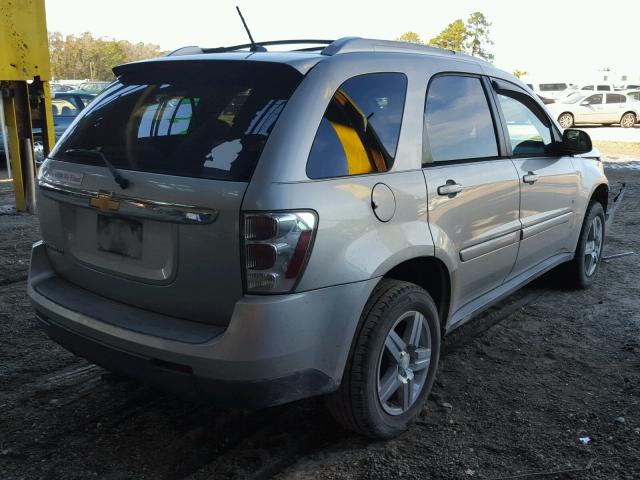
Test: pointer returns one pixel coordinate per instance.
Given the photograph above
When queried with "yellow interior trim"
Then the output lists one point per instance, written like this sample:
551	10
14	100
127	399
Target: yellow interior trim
357	159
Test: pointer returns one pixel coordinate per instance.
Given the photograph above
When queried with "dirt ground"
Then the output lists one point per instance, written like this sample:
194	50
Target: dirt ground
516	390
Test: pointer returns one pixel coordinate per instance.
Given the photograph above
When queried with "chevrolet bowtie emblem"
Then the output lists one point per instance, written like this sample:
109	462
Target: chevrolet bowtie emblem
105	203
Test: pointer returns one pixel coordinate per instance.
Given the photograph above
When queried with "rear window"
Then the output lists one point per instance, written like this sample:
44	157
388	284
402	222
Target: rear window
200	119
552	87
359	131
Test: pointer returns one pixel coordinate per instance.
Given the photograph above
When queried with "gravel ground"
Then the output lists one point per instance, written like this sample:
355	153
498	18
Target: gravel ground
516	390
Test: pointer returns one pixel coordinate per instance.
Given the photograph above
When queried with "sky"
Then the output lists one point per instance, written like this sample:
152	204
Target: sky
553	40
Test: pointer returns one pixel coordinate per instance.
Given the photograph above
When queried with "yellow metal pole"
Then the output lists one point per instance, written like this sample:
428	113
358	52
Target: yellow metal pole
15	150
48	137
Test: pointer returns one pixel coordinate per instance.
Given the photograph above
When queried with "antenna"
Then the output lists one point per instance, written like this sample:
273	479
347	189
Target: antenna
254	46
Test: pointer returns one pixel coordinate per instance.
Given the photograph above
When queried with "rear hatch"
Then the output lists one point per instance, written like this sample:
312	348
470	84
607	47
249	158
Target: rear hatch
185	136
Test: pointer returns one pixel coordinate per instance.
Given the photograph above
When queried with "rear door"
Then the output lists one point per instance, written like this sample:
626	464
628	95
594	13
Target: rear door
548	182
473	192
186	135
615	106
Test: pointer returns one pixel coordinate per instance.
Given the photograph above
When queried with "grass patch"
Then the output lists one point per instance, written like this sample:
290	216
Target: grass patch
608	148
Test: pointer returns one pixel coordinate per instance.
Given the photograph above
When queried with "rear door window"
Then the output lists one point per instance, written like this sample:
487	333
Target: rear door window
604	88
206	119
616	98
457	119
359	131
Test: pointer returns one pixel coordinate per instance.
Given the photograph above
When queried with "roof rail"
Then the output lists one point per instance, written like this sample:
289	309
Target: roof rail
357	44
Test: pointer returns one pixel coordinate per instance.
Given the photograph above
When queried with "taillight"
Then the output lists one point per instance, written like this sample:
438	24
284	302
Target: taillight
276	249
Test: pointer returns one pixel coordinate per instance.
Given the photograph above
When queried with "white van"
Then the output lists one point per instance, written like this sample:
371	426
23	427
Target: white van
548	90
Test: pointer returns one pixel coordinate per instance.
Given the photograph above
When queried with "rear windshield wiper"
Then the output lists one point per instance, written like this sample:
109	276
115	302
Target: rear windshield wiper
117	176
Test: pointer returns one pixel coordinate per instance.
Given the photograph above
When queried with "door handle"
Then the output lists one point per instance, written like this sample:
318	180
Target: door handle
451	188
530	178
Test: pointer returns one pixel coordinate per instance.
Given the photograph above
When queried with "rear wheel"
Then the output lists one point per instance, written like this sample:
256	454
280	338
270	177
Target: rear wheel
566	120
392	364
580	272
628	120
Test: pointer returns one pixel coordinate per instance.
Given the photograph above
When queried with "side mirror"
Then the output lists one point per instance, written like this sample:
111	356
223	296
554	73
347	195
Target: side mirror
576	142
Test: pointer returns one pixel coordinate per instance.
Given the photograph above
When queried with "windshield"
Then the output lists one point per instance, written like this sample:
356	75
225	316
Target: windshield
206	119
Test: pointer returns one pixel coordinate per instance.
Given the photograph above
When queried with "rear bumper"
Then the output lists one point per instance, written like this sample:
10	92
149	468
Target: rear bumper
276	349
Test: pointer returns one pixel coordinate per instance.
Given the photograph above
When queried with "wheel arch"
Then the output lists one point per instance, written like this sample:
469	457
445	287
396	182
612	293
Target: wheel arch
431	274
601	194
631	112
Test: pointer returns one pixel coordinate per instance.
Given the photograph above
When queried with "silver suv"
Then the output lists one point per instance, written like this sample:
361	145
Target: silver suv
259	228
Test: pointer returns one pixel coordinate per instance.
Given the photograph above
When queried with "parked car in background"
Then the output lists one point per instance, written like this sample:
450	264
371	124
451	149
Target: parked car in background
93	88
586	87
59	87
628	86
546	100
606	108
65	107
548	90
633	94
262	228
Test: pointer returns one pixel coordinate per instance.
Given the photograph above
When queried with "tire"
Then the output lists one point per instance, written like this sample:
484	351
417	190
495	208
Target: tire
580	272
566	120
394	312
628	120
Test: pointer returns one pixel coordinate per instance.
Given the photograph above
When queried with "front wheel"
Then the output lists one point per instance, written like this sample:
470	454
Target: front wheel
628	120
393	362
566	120
581	271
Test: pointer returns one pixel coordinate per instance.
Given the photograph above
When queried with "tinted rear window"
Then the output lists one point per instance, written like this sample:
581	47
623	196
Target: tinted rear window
616	98
188	118
359	131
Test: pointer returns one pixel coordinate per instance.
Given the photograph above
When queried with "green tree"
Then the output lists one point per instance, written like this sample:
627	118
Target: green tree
85	57
411	37
520	73
478	36
451	38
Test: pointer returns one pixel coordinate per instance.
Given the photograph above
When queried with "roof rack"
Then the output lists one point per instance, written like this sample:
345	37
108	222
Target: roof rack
357	44
333	47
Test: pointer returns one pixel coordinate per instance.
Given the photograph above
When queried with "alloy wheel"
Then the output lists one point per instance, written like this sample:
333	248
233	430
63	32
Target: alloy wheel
593	247
404	361
565	120
628	120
